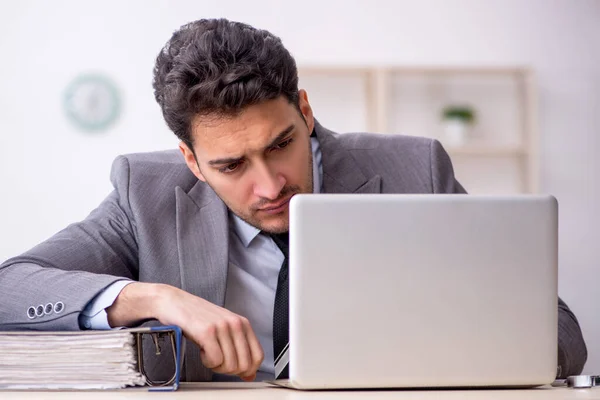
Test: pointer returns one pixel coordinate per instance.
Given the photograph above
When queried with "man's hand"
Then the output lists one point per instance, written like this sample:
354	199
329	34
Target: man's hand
227	342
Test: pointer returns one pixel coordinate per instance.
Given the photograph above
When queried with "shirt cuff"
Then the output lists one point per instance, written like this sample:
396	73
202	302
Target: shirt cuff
94	314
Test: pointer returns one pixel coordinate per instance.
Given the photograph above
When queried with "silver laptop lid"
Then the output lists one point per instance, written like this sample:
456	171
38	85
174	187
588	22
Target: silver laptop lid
422	290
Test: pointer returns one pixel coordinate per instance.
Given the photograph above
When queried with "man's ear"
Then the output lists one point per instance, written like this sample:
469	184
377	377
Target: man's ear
190	160
306	110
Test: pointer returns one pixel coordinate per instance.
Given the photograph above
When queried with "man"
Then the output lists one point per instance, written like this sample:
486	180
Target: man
195	241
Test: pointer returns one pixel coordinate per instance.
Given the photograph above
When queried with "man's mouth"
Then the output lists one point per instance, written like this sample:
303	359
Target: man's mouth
276	207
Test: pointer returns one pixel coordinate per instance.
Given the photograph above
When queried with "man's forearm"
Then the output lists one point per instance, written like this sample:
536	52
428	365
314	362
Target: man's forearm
228	341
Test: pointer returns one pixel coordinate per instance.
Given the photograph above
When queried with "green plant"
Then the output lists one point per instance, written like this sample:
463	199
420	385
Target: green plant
464	113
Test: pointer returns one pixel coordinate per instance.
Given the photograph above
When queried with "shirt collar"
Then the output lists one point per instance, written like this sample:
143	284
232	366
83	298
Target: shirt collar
244	230
247	232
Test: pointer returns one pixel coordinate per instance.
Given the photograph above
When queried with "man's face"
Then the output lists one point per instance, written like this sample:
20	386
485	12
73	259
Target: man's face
256	161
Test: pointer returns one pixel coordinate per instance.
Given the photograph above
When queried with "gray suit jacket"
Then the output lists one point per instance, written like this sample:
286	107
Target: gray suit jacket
160	224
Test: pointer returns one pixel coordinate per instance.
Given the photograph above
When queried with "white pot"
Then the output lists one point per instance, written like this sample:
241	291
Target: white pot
456	131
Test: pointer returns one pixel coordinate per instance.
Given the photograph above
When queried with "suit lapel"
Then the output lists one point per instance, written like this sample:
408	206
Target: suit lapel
341	173
202	243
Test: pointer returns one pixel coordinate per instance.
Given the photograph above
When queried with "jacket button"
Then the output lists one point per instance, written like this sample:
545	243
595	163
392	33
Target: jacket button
31	312
48	309
58	307
39	311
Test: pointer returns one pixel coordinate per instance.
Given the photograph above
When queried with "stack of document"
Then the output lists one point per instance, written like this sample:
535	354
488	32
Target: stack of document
68	360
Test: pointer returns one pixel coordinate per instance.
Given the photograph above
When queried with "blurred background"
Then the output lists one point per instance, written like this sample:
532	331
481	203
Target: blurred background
510	87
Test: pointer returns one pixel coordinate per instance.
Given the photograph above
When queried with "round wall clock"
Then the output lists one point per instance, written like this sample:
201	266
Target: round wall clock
92	102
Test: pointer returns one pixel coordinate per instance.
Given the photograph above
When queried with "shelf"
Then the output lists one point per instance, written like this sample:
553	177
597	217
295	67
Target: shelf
501	156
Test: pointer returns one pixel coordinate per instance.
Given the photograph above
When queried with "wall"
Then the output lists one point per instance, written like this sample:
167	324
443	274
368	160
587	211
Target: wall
50	174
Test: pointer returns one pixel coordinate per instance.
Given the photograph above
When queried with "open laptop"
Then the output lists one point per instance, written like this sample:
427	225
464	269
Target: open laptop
413	291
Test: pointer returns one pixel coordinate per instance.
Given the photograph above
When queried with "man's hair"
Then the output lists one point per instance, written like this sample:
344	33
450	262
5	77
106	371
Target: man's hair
216	67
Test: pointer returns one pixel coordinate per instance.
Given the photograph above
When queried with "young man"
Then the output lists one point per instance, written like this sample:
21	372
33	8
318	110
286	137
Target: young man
195	241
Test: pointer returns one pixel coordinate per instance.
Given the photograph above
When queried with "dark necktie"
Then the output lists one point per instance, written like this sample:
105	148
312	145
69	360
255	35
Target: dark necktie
280	312
281	318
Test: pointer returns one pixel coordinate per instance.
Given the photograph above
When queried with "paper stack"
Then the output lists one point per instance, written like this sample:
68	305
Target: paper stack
68	360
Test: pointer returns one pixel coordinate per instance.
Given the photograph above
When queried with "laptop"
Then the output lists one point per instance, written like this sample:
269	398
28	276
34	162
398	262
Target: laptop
422	291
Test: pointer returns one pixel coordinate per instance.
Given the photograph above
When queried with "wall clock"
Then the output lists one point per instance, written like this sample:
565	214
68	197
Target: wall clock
92	102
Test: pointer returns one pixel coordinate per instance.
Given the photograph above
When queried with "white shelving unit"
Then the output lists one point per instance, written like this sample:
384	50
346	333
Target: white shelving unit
501	156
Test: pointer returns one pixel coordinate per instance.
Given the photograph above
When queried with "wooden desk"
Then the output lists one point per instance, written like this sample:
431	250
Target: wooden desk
262	391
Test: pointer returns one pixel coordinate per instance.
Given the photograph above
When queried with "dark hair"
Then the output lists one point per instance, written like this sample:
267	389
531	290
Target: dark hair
219	67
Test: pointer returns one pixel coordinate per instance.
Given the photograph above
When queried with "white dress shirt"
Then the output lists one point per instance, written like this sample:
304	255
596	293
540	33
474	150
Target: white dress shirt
254	263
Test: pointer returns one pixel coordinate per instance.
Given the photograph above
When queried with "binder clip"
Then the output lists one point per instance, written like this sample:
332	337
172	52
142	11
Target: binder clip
583	381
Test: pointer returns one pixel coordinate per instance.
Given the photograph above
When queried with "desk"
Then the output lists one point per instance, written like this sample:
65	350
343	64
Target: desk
262	391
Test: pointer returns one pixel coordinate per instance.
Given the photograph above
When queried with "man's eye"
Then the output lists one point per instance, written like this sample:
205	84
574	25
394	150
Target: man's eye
283	144
230	168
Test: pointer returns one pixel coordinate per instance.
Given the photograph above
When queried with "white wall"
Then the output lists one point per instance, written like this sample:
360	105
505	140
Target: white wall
51	175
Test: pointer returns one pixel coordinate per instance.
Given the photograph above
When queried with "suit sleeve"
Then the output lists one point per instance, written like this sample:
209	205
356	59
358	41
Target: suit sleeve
73	266
442	172
572	351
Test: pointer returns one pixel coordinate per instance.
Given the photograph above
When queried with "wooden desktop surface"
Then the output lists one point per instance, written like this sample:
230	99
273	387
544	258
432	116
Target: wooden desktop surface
262	391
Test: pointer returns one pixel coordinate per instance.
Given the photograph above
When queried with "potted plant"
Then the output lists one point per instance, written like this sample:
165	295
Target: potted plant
458	121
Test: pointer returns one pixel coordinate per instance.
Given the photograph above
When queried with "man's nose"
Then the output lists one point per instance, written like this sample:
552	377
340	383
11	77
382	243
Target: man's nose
268	183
